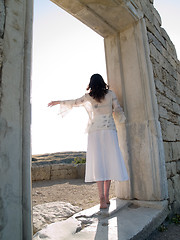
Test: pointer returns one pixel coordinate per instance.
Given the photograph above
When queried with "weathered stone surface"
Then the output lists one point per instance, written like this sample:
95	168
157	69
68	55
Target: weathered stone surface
178	167
170	191
164	101
176	150
132	219
159	85
163	112
81	170
169	130
48	213
176	183
41	173
165	69
155	32
2	17
1	52
175	207
168	169
173	168
168	151
57	171
63	171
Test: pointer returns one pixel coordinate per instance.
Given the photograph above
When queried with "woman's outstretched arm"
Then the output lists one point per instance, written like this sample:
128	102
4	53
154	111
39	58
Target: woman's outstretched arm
53	103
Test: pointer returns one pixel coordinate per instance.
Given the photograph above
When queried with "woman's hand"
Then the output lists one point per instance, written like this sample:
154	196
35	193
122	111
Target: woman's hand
53	103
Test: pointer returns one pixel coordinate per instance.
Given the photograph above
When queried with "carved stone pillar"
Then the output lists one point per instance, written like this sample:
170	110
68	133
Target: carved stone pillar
130	75
15	154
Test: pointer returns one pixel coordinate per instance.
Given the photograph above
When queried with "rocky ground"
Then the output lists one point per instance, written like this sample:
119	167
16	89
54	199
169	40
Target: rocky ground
81	194
74	191
85	195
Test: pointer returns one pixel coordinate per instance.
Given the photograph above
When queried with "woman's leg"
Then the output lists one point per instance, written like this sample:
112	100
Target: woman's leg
107	184
100	185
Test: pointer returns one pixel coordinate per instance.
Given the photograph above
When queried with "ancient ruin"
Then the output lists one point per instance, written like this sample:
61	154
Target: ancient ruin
143	70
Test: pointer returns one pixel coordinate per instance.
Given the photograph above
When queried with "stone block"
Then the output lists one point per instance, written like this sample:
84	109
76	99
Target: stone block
157	70
176	150
173	118
155	32
171	82
170	191
168	151
152	39
168	130
63	171
40	173
176	183
168	170
176	107
173	169
154	52
171	49
156	15
177	132
176	207
169	45
170	94
72	173
159	85
164	101
52	212
163	112
172	61
178	166
55	167
81	170
146	10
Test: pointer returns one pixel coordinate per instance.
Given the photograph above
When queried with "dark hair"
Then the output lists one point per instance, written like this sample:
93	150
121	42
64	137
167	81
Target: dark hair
98	88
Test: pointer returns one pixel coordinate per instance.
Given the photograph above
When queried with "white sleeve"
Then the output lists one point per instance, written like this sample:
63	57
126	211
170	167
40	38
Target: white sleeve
67	105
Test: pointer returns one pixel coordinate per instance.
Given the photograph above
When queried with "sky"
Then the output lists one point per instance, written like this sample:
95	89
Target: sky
65	54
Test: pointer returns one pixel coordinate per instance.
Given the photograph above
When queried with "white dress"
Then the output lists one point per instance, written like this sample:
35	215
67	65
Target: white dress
104	160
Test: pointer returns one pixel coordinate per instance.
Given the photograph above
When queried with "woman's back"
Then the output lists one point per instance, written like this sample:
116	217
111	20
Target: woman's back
103	107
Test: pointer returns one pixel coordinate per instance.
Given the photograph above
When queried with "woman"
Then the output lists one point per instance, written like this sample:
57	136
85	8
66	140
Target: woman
104	161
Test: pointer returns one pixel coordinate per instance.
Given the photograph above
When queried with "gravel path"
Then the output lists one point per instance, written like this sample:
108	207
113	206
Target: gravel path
74	191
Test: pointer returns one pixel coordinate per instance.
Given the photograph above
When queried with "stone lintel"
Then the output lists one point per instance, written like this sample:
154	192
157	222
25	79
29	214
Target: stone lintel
104	16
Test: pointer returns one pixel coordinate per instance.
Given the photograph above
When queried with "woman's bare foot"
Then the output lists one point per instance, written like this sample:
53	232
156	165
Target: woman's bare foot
103	204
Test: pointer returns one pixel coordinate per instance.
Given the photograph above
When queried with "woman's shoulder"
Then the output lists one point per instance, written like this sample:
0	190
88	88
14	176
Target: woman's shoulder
111	92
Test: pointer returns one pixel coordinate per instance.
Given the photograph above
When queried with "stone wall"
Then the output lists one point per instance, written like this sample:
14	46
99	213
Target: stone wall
166	72
2	21
57	171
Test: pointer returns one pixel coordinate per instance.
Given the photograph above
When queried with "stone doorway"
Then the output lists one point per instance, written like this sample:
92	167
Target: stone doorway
129	71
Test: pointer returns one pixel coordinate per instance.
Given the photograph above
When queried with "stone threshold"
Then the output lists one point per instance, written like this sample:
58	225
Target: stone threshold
123	220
